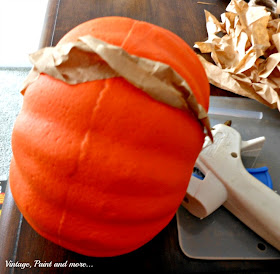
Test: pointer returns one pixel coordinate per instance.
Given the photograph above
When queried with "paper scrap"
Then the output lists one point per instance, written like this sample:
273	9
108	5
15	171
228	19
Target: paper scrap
91	59
245	49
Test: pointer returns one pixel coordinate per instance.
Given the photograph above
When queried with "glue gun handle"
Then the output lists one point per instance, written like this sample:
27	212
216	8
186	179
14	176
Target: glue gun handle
255	205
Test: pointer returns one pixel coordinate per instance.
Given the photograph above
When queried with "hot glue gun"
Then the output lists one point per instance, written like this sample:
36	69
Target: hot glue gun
228	183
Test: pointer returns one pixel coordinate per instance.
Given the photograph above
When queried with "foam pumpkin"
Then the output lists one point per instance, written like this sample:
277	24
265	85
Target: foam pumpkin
100	167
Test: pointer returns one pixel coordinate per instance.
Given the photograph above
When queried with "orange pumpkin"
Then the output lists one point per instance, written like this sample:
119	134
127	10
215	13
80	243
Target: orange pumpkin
100	167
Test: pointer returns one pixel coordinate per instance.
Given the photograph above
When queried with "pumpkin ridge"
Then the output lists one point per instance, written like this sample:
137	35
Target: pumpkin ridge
38	150
92	118
82	143
61	221
117	250
128	34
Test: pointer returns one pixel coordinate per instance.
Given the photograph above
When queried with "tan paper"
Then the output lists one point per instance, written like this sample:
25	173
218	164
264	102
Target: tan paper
245	48
91	59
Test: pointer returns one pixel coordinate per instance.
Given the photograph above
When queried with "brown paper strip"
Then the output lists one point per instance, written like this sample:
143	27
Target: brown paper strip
91	59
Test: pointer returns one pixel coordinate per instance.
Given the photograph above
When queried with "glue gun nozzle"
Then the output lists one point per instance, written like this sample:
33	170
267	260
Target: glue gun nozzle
228	123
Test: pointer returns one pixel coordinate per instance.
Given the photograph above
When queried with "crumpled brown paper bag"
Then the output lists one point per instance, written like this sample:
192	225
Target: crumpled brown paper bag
245	48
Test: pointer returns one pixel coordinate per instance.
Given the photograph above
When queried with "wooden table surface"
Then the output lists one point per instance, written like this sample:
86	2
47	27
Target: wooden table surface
19	242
